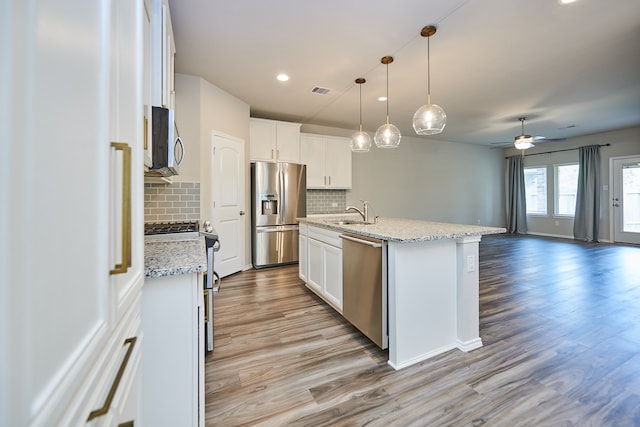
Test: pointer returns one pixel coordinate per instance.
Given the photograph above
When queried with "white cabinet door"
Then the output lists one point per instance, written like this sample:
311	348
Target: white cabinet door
328	160
312	153
333	275
338	164
288	142
315	279
262	144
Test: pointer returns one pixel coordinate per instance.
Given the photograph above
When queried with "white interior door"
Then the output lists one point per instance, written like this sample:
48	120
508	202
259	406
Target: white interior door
227	158
626	200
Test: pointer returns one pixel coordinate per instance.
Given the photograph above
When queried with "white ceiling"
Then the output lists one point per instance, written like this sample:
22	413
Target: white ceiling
572	69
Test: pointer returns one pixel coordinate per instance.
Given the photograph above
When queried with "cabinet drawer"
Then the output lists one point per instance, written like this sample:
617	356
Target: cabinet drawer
325	235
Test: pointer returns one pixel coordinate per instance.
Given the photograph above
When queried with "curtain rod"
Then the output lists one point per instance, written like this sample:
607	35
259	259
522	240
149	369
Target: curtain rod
557	151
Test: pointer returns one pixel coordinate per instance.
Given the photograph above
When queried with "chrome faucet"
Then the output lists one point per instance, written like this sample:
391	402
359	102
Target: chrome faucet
364	213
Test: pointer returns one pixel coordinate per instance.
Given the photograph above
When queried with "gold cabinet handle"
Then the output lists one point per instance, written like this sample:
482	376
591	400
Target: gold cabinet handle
145	129
206	305
131	342
126	208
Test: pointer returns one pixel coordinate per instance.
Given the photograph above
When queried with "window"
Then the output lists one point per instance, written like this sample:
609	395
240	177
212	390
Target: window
565	189
535	184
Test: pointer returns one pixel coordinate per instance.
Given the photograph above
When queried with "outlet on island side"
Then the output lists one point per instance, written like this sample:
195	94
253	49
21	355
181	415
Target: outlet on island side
471	263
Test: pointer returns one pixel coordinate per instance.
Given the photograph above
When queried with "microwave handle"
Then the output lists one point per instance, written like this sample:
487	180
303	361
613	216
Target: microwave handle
179	141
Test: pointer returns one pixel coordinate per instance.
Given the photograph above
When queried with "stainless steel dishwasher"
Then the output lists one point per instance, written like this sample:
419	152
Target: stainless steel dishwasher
364	286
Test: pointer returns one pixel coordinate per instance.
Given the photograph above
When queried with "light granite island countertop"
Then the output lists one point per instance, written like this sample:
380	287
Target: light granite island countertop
402	230
430	281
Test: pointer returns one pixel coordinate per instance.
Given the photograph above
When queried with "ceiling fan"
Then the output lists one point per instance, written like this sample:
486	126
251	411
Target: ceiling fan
524	141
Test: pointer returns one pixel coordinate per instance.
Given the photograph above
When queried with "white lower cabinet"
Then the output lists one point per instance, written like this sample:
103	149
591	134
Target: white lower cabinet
302	252
324	264
173	357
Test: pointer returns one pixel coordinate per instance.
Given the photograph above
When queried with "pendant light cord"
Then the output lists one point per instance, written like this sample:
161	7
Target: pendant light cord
387	93
360	106
428	72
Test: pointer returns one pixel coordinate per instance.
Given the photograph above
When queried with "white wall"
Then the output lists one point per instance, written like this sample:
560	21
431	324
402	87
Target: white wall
201	108
623	142
429	179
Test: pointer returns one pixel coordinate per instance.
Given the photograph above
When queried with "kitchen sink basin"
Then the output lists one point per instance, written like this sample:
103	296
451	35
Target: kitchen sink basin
347	222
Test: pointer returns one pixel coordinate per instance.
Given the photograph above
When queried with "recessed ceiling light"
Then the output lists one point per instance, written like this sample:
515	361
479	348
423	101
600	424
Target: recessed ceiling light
566	1
282	77
382	98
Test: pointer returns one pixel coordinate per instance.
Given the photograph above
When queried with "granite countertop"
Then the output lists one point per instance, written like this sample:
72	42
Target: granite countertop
403	230
169	257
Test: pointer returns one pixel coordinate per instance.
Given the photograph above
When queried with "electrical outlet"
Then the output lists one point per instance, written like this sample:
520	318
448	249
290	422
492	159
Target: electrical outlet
557	223
334	205
471	263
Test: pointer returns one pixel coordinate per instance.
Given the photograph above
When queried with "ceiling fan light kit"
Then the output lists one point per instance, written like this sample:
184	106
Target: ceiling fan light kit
360	141
387	135
522	141
430	119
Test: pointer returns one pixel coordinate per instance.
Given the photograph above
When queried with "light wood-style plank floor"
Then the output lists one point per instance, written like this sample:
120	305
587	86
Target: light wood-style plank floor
560	323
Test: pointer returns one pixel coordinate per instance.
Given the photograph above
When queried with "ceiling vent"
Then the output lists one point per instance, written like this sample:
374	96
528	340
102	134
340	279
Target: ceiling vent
321	90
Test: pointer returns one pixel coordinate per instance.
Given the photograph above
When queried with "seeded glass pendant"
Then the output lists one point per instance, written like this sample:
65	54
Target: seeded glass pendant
429	119
387	135
360	141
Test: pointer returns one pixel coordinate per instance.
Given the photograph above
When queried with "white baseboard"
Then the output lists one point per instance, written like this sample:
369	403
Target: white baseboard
561	236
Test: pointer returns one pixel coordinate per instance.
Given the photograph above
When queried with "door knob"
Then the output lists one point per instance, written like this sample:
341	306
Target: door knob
616	205
241	212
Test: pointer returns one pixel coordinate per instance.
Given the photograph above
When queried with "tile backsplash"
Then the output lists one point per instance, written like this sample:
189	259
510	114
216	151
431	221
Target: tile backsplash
178	201
326	201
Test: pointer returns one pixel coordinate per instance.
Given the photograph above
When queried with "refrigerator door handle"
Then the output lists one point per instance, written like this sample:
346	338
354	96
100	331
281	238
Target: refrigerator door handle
277	228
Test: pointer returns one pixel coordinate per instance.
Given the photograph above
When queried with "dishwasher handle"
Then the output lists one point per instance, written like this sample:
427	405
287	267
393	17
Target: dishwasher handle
364	242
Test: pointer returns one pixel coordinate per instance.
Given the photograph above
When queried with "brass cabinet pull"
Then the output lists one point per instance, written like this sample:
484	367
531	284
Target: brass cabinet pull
126	208
131	342
145	127
206	306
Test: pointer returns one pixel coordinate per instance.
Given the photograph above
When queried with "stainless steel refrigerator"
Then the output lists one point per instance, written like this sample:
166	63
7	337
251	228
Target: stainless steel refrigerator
278	197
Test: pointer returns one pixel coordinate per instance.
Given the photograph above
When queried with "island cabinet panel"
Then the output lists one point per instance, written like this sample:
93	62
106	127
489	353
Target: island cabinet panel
324	263
274	141
72	251
422	300
328	160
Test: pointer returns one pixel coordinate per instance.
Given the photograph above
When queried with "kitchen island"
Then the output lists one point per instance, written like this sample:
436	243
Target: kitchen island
431	275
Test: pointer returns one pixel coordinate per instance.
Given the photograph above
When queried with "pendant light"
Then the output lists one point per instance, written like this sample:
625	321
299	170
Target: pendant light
429	119
387	135
360	141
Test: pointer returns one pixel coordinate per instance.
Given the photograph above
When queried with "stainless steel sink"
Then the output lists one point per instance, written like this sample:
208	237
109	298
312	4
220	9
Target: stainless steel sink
347	222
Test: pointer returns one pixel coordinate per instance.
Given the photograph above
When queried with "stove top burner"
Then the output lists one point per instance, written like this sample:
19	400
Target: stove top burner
171	227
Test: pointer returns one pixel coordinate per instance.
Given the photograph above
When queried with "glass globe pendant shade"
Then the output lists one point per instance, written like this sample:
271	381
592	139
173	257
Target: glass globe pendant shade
360	142
387	136
429	119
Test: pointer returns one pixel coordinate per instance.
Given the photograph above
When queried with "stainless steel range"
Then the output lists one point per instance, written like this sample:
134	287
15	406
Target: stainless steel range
211	280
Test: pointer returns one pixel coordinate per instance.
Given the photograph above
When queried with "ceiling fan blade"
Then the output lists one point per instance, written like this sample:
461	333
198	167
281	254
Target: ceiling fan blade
545	139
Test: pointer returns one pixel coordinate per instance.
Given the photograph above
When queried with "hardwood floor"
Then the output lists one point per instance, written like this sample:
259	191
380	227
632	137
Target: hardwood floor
560	323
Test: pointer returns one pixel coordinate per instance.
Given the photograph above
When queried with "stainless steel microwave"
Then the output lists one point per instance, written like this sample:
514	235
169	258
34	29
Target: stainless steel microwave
167	149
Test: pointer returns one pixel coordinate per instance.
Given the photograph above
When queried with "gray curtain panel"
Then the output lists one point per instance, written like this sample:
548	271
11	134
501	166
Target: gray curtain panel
516	197
586	222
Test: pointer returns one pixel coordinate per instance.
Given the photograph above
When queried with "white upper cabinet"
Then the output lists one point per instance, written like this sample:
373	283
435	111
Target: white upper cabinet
328	160
162	56
274	141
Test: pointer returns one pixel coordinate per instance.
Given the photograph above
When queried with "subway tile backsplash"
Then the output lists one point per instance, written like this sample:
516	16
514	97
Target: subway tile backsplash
326	201
178	201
